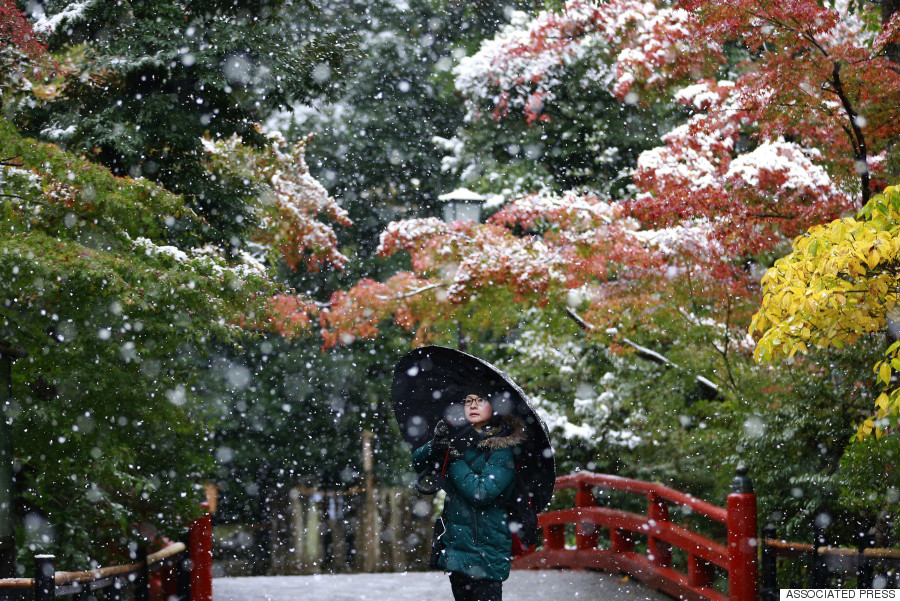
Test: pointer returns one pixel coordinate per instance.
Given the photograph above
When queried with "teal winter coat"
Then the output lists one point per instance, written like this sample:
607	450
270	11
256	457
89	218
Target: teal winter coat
477	539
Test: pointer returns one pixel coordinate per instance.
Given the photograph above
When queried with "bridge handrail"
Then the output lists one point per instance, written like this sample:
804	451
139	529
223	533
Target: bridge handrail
738	556
669	533
619	483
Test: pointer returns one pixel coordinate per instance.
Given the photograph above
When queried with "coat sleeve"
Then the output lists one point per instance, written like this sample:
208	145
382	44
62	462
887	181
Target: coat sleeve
483	489
420	457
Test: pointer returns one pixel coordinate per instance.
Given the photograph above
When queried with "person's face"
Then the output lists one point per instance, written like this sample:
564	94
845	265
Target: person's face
478	411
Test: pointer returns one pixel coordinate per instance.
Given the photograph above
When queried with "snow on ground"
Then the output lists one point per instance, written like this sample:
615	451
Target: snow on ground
546	585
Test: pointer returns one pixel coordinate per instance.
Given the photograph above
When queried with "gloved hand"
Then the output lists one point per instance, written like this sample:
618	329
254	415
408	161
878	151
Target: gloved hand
442	433
441	448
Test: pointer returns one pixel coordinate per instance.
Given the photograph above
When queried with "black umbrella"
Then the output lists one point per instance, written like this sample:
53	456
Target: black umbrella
430	384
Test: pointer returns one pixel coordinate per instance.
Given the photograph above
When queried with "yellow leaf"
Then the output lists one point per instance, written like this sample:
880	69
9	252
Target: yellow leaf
873	259
865	429
884	372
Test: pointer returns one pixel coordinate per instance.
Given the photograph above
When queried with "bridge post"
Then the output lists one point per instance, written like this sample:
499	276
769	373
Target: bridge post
660	552
200	550
742	539
585	534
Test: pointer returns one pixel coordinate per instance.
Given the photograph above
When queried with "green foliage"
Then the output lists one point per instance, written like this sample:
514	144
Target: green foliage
157	76
114	311
860	494
795	440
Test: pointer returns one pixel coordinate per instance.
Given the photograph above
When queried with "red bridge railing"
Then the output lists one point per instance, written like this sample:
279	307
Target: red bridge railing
654	566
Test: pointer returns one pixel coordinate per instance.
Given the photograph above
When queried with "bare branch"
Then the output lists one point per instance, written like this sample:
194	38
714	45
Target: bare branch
648	354
770	216
858	137
413	292
578	319
8	162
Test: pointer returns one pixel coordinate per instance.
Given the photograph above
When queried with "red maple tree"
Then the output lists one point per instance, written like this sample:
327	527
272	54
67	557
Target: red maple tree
825	76
22	51
795	132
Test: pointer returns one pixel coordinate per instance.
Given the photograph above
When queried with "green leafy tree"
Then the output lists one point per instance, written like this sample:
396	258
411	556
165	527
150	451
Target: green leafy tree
114	307
156	77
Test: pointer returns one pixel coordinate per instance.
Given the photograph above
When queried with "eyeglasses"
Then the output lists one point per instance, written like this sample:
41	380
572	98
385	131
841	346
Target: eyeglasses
474	401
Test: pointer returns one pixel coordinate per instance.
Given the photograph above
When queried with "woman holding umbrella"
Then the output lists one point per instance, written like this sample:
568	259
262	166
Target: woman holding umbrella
477	544
475	435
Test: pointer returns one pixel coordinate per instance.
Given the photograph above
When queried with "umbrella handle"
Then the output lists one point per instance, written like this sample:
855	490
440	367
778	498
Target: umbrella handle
421	485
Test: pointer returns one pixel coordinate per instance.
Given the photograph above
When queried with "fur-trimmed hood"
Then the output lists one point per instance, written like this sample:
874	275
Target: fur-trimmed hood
503	433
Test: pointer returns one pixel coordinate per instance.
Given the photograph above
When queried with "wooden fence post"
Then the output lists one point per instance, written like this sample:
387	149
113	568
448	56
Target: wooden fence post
142	577
44	577
863	563
742	539
768	567
371	547
200	544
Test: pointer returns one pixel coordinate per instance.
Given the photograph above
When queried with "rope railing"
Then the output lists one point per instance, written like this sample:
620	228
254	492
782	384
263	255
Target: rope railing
784	548
181	569
818	564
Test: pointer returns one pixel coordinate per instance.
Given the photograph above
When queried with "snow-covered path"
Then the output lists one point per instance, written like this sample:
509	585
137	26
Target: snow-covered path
545	585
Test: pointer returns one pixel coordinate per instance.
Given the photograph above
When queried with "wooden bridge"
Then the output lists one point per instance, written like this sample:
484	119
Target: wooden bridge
621	540
588	551
641	544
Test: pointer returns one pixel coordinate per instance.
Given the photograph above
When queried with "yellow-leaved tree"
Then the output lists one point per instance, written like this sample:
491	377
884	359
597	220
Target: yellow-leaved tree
840	282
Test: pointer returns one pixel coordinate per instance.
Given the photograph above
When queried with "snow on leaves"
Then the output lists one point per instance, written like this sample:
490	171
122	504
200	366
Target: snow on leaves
356	313
727	169
538	249
815	73
755	200
291	203
207	260
23	52
73	11
469	256
626	42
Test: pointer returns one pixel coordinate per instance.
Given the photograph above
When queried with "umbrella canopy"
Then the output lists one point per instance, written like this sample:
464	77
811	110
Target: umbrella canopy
430	384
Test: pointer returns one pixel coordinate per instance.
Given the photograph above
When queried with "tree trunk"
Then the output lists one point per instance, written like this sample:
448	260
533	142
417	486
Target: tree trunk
888	9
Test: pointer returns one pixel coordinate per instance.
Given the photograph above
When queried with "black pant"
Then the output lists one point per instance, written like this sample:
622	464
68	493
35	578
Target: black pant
466	588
